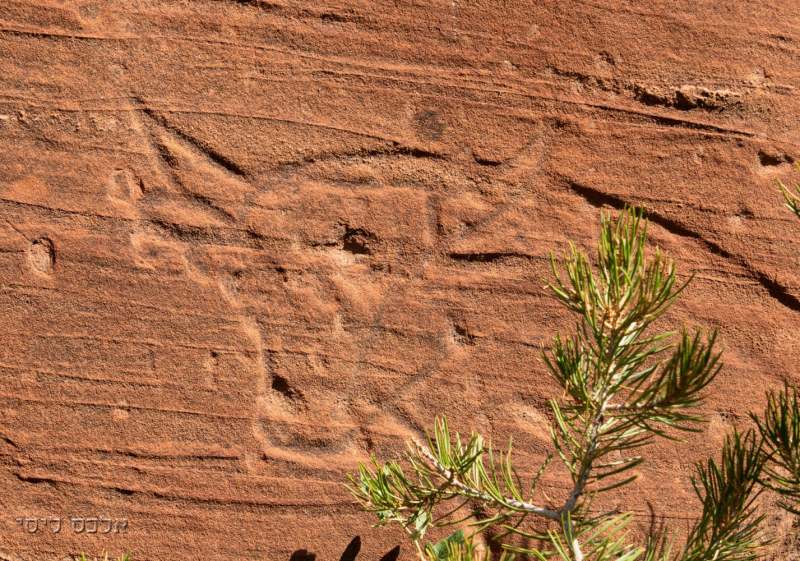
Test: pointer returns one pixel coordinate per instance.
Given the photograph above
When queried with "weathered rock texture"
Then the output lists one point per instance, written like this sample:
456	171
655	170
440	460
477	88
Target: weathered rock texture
244	245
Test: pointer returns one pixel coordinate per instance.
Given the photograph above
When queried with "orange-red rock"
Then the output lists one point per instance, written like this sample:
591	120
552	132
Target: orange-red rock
246	244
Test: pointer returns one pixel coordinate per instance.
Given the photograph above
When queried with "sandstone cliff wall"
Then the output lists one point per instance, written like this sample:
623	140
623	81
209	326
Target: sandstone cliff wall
246	244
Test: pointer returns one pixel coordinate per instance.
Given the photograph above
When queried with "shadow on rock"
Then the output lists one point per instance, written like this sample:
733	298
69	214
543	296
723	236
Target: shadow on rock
350	553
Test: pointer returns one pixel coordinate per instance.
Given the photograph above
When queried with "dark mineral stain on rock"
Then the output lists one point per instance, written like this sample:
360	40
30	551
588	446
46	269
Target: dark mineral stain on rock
429	125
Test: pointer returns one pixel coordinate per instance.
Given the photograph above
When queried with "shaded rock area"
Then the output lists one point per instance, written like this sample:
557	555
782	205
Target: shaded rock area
246	244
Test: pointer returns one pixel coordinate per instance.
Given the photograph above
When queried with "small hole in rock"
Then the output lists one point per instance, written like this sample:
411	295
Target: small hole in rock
767	159
357	240
462	336
42	255
281	384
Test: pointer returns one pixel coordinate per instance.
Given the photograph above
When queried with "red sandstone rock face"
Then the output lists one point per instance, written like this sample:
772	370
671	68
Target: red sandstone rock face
244	245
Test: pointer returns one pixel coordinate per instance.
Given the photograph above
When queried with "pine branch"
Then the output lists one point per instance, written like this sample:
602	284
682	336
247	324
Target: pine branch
729	528
452	480
580	484
623	386
780	429
792	199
